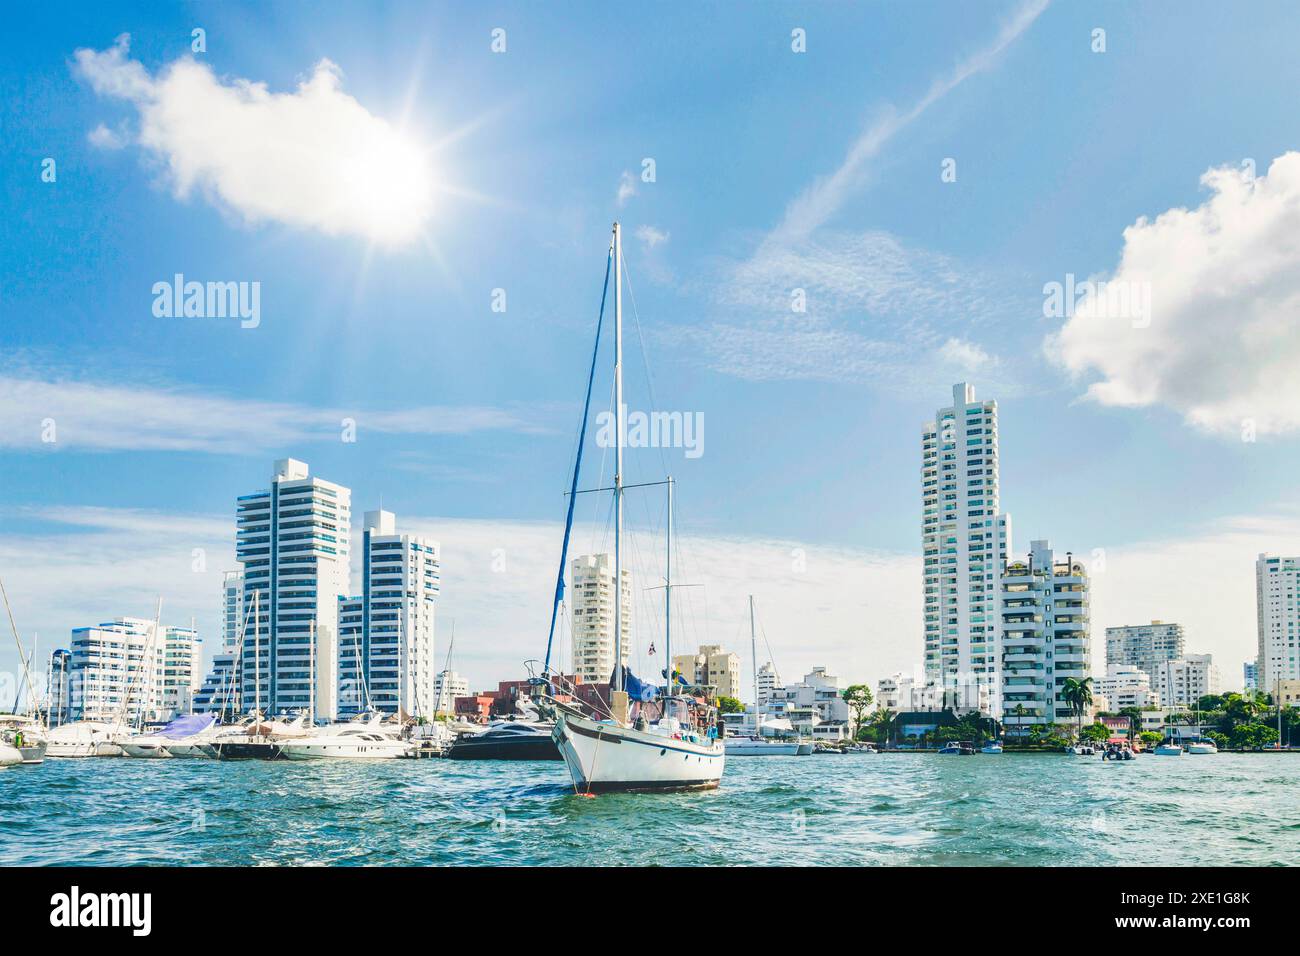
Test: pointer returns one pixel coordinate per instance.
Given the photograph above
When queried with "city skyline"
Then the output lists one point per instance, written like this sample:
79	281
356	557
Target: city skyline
125	433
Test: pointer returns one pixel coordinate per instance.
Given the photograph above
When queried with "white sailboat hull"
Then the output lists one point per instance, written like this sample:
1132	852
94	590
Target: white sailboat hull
9	755
603	757
749	747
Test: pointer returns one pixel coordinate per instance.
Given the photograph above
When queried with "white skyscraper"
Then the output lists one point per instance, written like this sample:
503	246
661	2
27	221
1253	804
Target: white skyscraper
768	681
386	632
1277	604
965	541
1144	645
592	577
120	669
220	690
292	541
447	686
1183	682
1045	637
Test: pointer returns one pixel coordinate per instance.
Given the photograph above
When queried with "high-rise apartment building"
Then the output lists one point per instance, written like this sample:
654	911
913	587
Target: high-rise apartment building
119	670
1125	685
447	686
713	667
220	691
292	540
182	669
1045	637
592	580
1146	646
386	655
768	681
965	542
1277	605
1183	682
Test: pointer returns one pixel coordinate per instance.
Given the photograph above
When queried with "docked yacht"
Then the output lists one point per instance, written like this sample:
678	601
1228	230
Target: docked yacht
85	738
260	739
1203	746
521	739
9	755
159	744
357	741
25	734
1168	749
992	747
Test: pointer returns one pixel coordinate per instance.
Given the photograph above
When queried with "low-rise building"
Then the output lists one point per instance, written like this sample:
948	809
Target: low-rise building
711	666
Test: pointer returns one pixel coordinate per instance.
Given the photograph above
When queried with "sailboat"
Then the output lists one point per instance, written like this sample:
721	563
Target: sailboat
23	733
678	750
756	746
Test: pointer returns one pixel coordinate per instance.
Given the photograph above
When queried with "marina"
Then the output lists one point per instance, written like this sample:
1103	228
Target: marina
914	809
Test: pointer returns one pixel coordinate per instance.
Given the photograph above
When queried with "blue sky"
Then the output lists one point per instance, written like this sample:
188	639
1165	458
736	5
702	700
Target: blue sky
466	416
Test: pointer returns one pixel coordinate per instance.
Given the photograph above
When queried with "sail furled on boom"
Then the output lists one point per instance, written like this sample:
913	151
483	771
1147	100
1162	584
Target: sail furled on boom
577	469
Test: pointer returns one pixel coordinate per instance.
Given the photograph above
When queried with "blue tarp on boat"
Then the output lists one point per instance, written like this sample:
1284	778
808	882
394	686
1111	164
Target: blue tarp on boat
188	726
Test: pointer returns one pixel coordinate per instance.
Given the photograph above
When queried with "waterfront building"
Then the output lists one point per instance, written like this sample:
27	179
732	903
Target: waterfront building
889	693
713	667
1287	692
1125	685
965	542
814	706
1045	637
292	541
447	686
768	681
1250	675
386	633
118	670
1146	646
592	587
220	690
182	669
1277	606
1183	682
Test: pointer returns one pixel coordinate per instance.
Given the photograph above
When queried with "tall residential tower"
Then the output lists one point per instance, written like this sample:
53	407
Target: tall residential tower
593	617
965	541
1277	605
292	541
386	632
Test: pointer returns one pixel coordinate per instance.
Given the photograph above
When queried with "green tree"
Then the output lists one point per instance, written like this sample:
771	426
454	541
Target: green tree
1096	733
730	705
859	699
1150	738
1078	694
1134	715
1253	736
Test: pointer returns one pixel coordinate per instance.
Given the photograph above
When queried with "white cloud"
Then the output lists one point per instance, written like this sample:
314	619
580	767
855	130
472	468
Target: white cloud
626	188
651	236
314	158
965	355
1222	343
122	417
102	137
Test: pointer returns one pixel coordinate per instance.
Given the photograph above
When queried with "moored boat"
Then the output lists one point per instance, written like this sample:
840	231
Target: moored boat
1168	749
159	744
26	735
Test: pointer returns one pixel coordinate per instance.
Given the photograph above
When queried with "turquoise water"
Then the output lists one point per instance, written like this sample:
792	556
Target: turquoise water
917	809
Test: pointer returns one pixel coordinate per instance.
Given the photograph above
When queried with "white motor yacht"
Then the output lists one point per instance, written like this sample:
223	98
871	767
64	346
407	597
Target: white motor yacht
85	738
1203	746
366	741
759	747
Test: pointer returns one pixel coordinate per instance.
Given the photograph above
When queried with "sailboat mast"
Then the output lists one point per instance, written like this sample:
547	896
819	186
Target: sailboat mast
257	658
668	593
618	457
753	664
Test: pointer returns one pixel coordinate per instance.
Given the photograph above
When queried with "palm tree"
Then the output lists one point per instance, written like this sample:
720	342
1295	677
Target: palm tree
885	720
1078	694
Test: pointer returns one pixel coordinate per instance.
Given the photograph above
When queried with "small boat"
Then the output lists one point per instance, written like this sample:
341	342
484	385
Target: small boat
1168	749
994	747
159	743
759	747
806	747
952	748
1202	746
26	735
